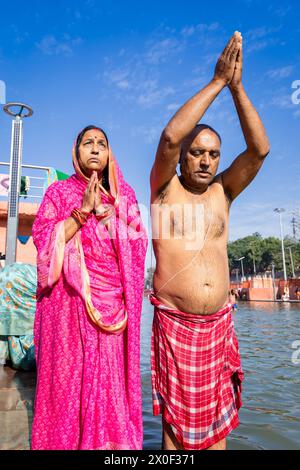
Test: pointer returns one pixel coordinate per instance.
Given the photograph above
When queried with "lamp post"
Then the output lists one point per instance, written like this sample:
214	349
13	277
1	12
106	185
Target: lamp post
17	111
242	266
254	267
292	262
279	211
273	281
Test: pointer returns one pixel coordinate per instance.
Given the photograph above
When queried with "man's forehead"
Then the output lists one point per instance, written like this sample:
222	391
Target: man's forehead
205	136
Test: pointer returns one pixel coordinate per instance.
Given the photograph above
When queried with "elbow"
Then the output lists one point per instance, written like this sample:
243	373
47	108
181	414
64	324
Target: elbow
264	151
265	148
261	151
169	138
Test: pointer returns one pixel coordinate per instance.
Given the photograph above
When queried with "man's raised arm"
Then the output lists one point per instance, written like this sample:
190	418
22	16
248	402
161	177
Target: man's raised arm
247	164
187	117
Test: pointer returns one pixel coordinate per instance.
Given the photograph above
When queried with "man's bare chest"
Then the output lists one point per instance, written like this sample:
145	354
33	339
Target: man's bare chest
186	218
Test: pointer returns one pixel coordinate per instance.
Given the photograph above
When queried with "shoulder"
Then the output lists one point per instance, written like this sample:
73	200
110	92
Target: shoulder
62	185
57	189
128	191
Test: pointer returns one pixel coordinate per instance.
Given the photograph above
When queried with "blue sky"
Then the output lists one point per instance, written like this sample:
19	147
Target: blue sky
128	66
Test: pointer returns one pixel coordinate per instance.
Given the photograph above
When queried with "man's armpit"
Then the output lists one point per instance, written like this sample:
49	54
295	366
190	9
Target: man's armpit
227	193
161	195
228	198
164	191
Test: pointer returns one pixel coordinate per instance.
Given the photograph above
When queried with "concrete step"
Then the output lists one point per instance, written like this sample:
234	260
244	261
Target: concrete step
15	430
17	390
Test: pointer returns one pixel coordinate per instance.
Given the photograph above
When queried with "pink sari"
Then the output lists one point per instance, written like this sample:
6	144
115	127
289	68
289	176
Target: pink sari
87	324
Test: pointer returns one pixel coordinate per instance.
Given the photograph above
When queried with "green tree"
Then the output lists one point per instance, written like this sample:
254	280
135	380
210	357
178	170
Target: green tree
251	248
261	252
294	246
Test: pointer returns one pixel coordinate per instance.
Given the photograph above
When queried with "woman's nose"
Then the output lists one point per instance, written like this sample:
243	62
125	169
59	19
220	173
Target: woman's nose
95	148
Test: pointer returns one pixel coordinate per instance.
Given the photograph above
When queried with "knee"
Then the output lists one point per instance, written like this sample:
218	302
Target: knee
221	445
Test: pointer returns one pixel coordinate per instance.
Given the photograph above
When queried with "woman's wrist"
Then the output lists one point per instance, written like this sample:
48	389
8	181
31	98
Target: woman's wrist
76	220
103	212
81	216
86	209
100	209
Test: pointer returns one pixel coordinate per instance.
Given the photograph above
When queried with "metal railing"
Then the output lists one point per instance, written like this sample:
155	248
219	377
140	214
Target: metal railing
35	192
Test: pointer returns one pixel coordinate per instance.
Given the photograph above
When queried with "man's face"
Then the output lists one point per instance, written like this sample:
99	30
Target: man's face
200	159
93	152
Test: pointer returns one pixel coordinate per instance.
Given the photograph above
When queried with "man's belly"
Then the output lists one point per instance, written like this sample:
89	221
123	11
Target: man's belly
193	283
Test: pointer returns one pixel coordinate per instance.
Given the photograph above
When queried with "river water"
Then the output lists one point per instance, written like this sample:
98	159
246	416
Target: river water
269	338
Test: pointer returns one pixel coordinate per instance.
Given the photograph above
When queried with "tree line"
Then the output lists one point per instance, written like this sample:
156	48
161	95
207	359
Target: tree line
261	252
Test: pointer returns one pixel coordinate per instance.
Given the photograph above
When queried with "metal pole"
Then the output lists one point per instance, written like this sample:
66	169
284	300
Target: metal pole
35	167
282	248
242	269
253	257
273	281
242	266
279	211
254	267
14	177
292	262
14	191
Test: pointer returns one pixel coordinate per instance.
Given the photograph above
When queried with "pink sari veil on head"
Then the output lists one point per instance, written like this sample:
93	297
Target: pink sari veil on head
59	262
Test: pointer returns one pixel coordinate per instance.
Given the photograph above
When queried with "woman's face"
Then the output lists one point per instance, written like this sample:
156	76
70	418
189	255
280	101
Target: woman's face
93	152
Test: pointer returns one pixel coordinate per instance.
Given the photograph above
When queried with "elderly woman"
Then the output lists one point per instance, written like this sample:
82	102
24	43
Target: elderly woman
91	249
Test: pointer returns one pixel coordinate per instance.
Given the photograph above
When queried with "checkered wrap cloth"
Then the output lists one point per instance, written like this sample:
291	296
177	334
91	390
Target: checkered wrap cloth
196	374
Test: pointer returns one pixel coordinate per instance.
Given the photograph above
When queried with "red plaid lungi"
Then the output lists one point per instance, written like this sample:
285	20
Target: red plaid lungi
196	374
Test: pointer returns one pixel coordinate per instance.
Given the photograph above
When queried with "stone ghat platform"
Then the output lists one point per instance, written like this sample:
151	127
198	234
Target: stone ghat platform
17	390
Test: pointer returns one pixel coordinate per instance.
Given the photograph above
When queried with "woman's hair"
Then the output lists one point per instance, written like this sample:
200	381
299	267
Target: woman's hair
105	181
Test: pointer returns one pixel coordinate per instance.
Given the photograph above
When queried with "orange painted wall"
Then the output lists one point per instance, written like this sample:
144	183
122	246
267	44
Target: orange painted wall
262	288
27	211
256	293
